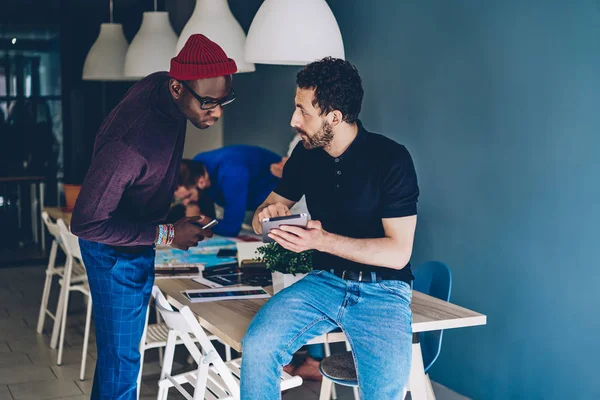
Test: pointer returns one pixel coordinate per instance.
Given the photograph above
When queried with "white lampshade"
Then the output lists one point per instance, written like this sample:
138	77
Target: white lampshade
214	19
152	47
106	59
293	32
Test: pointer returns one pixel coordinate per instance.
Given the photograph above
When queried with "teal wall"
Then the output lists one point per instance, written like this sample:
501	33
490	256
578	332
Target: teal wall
498	103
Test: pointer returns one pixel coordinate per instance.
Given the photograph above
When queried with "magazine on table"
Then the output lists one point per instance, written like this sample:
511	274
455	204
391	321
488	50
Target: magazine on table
226	293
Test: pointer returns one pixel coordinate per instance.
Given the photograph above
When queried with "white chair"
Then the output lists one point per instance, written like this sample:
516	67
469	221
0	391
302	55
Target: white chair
51	271
155	337
214	379
73	282
77	277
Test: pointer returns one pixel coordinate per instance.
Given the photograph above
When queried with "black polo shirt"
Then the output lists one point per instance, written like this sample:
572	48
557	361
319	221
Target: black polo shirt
375	178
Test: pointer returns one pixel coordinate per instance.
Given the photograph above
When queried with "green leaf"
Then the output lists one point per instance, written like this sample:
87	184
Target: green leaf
285	261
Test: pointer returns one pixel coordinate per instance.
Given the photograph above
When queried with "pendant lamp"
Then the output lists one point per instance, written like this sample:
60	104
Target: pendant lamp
106	59
293	32
152	47
214	19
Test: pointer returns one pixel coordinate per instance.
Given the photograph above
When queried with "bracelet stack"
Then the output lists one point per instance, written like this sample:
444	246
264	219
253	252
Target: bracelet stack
166	233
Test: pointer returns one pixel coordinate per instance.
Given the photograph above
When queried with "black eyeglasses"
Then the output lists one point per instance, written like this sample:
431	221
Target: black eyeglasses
207	103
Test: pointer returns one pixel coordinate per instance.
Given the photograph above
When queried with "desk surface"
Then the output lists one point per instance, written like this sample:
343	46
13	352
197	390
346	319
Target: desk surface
229	319
60	213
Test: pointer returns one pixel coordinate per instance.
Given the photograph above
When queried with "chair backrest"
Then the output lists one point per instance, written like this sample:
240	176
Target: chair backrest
51	225
184	322
70	242
435	279
53	229
172	318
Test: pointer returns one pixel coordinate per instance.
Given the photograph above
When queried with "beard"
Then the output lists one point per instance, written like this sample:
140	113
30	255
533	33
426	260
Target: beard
322	138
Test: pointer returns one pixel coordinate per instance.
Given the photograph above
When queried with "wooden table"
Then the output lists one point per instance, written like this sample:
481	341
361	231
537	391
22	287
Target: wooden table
229	321
60	213
65	214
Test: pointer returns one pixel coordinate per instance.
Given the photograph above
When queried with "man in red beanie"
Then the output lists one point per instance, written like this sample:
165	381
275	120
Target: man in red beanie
120	213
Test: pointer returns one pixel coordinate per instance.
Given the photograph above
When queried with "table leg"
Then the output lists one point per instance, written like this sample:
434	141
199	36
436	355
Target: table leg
43	230
417	380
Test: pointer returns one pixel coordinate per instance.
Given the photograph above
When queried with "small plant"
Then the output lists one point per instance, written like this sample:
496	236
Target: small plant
278	259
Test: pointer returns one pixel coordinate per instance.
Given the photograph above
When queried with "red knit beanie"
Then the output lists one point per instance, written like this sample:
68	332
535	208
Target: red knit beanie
201	58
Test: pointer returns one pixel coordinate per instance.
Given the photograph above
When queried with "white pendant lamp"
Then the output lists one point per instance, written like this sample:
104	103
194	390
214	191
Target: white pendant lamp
214	19
152	47
293	32
106	59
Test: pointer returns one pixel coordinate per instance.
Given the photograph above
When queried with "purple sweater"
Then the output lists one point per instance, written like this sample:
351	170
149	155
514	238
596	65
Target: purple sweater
129	186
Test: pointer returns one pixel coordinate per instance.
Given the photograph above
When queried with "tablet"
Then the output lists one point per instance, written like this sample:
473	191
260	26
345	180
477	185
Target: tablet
272	223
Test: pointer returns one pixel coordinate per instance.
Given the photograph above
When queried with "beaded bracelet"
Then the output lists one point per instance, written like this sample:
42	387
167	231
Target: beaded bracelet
166	234
171	234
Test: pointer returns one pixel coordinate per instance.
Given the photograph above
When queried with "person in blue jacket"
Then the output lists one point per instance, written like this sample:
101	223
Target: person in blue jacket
237	178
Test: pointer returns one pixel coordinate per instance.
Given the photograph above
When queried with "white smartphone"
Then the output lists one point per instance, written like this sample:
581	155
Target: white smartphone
210	224
300	220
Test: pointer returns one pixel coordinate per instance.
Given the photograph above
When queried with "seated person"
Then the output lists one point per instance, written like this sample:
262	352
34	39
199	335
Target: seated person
362	192
237	178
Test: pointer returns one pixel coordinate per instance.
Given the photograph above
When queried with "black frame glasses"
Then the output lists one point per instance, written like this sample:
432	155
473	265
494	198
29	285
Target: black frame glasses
207	103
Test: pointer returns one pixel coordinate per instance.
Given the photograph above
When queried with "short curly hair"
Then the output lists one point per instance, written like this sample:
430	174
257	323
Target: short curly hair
337	86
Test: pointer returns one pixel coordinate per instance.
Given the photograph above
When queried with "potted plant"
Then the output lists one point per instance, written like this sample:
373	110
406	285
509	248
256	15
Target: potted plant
286	266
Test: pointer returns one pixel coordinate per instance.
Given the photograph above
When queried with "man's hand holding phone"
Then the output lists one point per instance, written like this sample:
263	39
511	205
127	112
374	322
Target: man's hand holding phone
188	232
298	239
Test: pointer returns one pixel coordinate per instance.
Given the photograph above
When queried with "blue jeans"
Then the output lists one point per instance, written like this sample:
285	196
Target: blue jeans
121	285
375	317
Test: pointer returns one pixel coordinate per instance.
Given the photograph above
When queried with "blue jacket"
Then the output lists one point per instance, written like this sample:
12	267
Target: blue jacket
241	180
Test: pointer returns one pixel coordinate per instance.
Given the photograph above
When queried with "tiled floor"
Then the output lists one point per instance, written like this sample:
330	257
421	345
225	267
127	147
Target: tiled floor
28	367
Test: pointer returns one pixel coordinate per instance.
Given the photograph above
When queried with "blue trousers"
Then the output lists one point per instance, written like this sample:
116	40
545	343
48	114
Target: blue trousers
376	318
121	285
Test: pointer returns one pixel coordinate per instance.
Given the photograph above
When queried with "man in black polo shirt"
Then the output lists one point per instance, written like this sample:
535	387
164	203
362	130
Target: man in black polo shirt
361	190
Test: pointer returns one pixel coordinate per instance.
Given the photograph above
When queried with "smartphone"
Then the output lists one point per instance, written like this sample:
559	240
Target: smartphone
300	220
209	225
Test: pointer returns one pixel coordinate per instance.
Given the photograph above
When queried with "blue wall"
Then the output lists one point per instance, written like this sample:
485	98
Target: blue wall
498	101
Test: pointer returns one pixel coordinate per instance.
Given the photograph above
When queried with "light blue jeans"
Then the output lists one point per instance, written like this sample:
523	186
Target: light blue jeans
375	317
